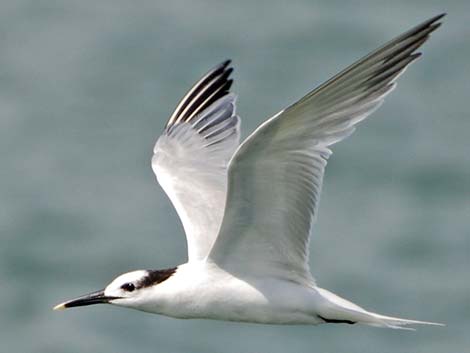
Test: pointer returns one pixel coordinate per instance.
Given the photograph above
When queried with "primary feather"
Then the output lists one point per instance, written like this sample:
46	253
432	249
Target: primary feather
190	158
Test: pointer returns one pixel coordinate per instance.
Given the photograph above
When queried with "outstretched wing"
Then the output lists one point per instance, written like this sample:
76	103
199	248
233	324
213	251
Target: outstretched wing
275	176
190	158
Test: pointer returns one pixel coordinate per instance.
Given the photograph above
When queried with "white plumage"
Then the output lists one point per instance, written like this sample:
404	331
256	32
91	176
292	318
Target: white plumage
190	162
247	210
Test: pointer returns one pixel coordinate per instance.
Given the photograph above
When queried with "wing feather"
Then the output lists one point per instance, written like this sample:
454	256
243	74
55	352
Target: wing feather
276	174
190	158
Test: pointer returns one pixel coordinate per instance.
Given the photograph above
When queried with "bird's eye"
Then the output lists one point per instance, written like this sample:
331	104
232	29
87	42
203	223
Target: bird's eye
128	287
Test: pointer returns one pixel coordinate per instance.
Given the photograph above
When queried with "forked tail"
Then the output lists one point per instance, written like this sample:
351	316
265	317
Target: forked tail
395	322
339	310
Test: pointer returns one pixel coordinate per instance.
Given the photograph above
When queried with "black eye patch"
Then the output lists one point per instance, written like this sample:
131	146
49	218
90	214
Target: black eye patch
128	287
155	276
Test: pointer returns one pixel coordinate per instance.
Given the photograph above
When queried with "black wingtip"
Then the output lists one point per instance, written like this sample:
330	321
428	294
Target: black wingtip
438	17
228	71
432	24
415	56
433	21
225	63
223	68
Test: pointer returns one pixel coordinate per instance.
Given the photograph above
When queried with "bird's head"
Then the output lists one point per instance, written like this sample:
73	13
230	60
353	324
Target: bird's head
128	289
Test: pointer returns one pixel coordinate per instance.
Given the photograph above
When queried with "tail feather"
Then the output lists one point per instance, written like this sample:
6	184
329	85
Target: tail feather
398	323
342	310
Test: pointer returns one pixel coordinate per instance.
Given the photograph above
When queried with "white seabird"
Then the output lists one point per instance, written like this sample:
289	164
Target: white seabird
247	209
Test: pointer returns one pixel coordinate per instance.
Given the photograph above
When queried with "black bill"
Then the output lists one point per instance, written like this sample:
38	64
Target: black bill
97	297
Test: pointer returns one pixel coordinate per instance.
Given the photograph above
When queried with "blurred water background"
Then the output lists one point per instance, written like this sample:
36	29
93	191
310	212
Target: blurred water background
86	87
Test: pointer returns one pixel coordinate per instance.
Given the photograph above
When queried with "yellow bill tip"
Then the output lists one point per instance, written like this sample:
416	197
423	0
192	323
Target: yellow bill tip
60	306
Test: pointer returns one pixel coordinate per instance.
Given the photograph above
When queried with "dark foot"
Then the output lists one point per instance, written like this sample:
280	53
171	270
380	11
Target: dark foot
331	321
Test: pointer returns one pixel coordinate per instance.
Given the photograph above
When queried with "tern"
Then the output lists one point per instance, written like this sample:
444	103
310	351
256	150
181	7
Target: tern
247	209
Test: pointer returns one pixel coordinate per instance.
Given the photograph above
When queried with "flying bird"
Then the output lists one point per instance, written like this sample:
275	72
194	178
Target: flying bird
247	209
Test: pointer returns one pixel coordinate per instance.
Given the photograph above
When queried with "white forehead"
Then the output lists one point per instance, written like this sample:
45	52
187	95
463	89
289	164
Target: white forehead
127	277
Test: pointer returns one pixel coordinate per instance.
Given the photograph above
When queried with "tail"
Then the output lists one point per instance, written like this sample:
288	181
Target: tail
395	322
339	310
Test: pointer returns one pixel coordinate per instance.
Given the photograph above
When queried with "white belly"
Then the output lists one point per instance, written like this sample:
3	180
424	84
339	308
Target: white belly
210	293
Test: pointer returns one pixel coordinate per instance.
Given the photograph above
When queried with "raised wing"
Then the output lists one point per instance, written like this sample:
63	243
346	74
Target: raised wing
190	158
275	176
